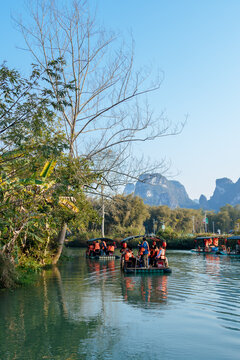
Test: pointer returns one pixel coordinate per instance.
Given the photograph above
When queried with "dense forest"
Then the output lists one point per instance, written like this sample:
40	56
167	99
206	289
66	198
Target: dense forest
128	215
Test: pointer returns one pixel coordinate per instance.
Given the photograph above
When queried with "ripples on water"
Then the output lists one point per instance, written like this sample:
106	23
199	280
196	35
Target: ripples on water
88	309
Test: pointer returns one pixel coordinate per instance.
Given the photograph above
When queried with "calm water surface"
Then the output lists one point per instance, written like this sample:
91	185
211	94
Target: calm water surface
88	309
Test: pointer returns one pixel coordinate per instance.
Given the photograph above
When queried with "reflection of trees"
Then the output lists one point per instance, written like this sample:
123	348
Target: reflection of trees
144	289
53	319
35	322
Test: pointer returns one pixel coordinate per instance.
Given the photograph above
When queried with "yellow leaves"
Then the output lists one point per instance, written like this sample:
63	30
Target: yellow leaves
67	203
48	168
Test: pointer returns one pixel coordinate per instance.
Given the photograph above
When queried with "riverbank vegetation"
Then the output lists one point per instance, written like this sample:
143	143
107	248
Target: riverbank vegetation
128	215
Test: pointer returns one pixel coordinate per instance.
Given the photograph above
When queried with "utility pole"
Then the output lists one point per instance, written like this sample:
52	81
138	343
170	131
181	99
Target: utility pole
213	227
103	212
193	227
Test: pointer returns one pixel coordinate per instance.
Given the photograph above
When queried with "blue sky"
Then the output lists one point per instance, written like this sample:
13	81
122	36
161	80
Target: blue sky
197	45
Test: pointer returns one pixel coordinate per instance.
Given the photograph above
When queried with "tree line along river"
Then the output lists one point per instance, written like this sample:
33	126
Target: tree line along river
88	309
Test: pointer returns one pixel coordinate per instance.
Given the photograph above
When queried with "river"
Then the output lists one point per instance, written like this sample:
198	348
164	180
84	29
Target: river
86	309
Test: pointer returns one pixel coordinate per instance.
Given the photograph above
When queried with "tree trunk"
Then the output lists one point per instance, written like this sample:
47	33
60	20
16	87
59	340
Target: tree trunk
103	213
61	238
103	219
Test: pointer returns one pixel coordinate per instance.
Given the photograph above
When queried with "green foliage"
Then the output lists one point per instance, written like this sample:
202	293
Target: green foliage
40	186
125	214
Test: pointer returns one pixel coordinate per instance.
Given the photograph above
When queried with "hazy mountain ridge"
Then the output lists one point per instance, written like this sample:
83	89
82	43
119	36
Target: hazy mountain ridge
156	190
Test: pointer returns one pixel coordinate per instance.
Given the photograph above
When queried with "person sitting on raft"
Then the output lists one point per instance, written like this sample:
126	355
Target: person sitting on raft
110	249
96	248
207	243
129	258
161	255
153	253
123	247
214	245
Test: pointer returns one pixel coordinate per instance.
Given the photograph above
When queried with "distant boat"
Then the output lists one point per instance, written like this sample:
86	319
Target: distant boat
206	245
101	254
222	249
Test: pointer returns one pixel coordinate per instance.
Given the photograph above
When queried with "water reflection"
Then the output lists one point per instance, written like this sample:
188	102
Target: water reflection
35	323
88	309
145	289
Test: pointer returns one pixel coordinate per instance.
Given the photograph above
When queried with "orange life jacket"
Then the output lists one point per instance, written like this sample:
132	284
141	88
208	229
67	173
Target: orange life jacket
215	241
153	251
111	248
127	255
97	246
91	247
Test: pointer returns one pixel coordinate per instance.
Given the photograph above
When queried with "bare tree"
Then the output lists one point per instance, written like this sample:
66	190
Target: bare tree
102	112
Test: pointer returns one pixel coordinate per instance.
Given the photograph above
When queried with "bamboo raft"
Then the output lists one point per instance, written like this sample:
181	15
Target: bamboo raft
103	257
144	270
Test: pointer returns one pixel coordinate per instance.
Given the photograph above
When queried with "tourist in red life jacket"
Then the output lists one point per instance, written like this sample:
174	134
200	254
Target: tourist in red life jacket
127	255
123	247
110	249
206	243
215	244
97	248
153	252
129	258
164	244
162	256
90	249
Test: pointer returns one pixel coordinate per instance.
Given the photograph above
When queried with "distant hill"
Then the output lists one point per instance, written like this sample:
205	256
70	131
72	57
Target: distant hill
226	192
156	190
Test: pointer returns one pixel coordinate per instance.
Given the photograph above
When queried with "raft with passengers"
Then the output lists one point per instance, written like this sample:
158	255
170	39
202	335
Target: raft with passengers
101	249
149	259
217	246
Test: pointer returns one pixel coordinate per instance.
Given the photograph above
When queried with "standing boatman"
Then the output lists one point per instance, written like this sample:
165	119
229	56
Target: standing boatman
145	252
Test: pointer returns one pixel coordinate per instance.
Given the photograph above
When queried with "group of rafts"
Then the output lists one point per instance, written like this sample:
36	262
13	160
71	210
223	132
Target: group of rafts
217	245
150	257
